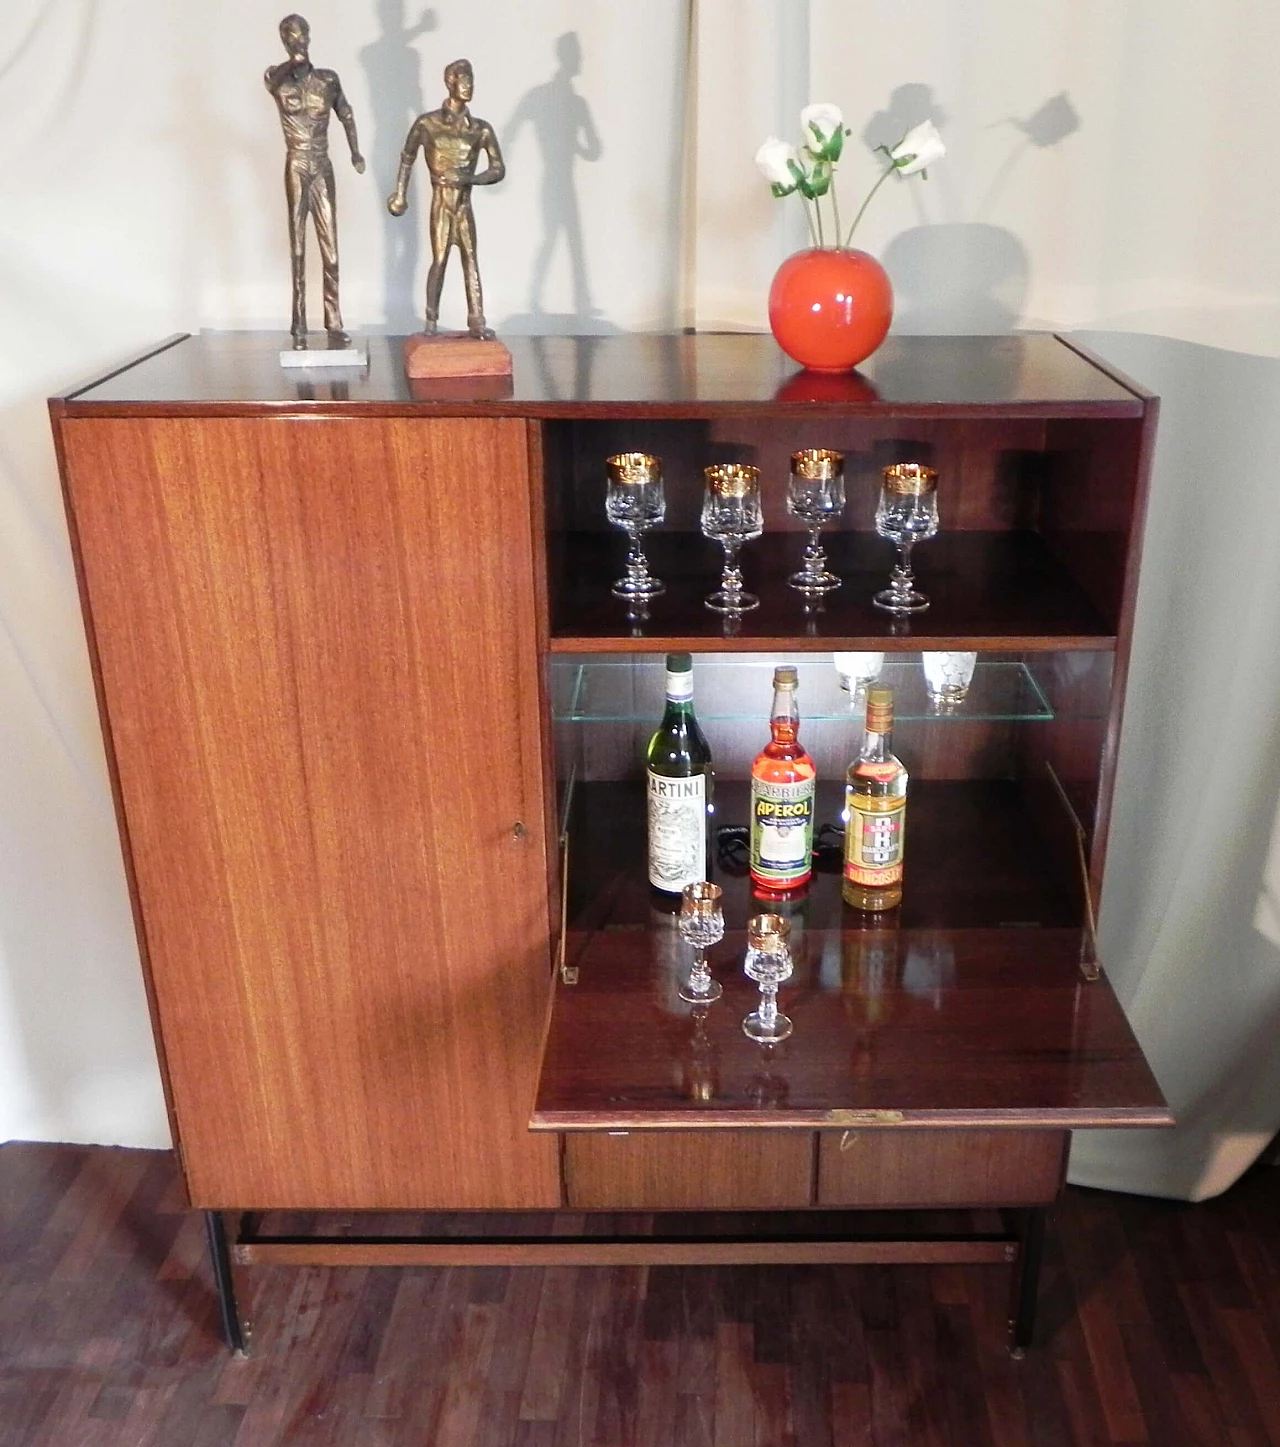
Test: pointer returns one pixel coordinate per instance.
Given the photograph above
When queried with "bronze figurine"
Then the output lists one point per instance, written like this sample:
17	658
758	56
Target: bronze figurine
305	97
451	140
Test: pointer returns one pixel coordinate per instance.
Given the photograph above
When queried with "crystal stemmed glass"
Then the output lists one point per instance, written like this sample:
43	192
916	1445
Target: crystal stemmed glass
732	515
815	495
907	514
701	925
635	501
768	963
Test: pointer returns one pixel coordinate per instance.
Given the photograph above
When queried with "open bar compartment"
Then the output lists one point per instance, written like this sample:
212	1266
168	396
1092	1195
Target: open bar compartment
1031	551
970	1009
943	1060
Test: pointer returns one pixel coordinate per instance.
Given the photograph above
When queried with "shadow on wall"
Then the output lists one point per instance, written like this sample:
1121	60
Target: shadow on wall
561	122
1184	926
909	105
962	277
395	89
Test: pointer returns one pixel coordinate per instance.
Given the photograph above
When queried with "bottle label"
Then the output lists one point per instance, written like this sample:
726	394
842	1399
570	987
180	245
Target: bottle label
782	831
873	840
677	831
680	686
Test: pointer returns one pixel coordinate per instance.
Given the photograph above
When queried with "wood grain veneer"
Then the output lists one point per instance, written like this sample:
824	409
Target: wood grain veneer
318	660
738	1170
867	1168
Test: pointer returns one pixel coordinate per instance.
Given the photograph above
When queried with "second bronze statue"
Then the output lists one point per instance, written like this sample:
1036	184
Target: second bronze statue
451	140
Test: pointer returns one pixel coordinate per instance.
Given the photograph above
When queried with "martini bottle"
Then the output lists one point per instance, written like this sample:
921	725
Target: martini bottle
679	782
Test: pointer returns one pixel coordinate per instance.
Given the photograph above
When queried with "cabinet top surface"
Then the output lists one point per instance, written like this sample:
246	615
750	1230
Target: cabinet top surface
659	373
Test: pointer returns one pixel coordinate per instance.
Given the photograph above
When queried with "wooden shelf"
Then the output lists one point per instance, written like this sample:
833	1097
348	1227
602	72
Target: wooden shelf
989	591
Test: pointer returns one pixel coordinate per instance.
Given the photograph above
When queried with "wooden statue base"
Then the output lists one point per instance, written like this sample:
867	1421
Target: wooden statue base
455	354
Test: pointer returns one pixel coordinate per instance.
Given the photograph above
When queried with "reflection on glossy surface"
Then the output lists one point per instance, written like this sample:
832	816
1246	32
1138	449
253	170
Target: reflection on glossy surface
702	1060
929	969
973	1026
684	370
334	390
769	1087
846	387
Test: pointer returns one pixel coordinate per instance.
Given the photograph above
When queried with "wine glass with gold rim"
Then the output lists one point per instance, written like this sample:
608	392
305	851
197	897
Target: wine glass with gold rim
906	514
815	495
701	925
635	501
731	513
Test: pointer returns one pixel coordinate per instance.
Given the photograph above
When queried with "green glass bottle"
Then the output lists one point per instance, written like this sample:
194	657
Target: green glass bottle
679	781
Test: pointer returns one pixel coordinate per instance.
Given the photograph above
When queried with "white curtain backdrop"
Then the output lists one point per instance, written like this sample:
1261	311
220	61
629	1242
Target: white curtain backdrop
1110	170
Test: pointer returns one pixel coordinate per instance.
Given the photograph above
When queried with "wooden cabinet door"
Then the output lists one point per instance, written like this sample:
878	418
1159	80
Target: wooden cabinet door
318	661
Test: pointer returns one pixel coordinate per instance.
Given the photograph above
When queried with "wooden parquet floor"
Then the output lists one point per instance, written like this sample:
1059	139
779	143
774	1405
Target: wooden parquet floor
1160	1324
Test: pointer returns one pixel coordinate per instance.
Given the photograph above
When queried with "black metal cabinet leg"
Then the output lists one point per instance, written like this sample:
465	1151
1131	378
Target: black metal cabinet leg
1027	1282
232	1332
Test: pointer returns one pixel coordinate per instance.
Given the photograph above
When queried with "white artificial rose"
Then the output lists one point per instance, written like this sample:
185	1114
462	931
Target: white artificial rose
920	147
775	159
821	124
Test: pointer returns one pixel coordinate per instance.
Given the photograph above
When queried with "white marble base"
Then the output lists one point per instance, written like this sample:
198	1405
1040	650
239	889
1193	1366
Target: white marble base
322	357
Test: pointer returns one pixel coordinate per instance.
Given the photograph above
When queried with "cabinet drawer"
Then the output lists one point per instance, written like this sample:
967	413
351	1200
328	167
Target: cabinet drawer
940	1168
724	1170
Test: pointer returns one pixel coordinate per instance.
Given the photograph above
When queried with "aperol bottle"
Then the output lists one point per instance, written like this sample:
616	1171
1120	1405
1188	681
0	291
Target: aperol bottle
783	783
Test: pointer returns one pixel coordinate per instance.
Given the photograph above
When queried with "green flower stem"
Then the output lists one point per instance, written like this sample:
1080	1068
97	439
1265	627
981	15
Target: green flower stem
835	207
817	211
889	172
808	216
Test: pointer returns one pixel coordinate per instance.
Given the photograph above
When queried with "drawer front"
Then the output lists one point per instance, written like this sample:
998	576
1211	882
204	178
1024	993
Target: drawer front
721	1170
940	1168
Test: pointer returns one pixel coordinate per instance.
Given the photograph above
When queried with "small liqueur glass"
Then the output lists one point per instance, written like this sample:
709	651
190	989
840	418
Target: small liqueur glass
947	677
635	501
907	514
701	925
768	963
815	495
731	514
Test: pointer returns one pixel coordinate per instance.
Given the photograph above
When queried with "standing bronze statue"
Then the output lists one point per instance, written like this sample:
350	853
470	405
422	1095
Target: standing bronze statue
306	96
452	139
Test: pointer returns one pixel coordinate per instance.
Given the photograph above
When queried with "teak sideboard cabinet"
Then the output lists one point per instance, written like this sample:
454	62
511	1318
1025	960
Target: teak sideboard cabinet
375	721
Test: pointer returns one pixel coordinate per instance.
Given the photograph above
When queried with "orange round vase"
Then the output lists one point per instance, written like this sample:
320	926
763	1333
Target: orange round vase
830	309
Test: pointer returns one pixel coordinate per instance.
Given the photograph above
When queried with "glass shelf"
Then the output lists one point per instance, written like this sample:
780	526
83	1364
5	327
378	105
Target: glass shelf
738	688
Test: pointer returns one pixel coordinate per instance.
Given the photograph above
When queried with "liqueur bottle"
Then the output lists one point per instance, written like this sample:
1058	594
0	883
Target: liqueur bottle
783	783
679	779
875	799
